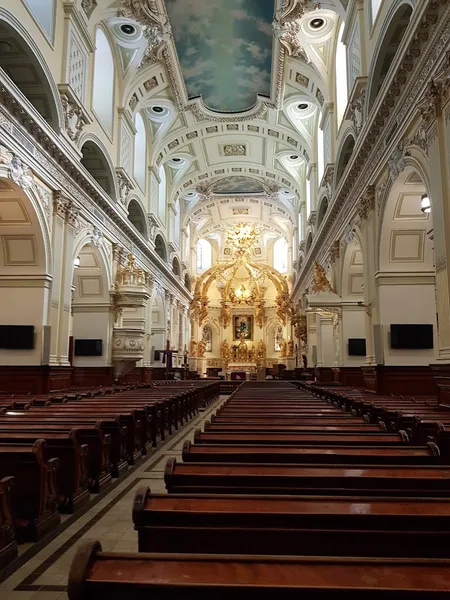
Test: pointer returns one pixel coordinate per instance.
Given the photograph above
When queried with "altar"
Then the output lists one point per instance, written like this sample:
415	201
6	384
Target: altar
246	368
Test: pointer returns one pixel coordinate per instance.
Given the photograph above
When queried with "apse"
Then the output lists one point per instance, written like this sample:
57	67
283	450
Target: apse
225	50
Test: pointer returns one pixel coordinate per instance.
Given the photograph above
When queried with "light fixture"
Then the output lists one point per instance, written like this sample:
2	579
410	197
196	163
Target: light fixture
425	204
76	262
128	29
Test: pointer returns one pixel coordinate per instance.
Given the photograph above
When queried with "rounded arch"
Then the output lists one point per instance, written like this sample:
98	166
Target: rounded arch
19	50
176	267
187	282
137	216
352	280
309	241
389	41
97	162
344	156
323	207
160	247
84	239
103	82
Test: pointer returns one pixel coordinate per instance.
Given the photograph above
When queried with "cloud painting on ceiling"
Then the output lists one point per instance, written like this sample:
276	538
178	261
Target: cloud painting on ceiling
237	185
225	49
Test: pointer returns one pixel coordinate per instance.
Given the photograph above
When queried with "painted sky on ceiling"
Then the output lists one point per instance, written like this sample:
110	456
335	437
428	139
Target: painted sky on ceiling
225	49
237	185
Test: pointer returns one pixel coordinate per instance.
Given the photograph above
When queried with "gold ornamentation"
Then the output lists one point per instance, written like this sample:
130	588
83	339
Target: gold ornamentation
131	274
193	347
242	353
320	281
283	349
201	348
261	352
290	347
225	353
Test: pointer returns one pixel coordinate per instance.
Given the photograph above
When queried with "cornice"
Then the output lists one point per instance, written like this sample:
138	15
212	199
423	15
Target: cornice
398	100
402	278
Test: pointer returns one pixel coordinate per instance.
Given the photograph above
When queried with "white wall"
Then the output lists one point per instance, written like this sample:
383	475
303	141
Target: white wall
93	325
407	304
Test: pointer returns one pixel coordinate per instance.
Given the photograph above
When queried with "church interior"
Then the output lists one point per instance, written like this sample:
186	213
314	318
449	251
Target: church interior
224	299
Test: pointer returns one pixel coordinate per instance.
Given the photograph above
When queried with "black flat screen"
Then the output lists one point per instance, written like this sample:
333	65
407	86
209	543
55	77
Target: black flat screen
356	347
17	337
411	337
88	347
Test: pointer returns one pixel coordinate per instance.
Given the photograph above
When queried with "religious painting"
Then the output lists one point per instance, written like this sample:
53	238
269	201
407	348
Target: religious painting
243	328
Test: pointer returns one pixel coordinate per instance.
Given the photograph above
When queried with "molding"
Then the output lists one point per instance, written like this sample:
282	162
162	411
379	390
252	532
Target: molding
397	278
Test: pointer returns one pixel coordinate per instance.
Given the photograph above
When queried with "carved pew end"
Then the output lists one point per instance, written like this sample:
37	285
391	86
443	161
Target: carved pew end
168	471
77	576
140	499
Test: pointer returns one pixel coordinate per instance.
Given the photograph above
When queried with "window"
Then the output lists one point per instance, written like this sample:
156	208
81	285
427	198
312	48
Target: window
278	339
140	152
44	13
103	91
320	156
162	194
204	255
207	338
280	255
341	78
375	6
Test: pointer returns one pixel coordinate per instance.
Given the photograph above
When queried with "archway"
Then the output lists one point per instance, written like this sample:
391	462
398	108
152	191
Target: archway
92	320
187	282
309	241
322	210
95	162
176	267
406	273
160	247
137	217
25	276
344	157
387	50
23	66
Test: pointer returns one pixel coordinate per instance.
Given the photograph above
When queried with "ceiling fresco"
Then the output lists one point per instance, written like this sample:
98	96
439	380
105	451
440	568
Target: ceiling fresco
237	185
225	49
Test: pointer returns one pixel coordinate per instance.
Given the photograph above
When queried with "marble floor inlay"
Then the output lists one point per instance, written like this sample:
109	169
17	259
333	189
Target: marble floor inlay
109	519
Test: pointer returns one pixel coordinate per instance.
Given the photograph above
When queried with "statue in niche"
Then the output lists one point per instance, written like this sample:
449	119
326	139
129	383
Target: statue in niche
207	336
252	355
283	349
261	352
193	347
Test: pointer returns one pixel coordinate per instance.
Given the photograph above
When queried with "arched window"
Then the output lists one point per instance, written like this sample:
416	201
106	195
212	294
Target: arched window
162	194
320	153
344	157
137	217
44	13
322	210
309	241
280	255
160	247
103	90
207	338
375	6
140	152
204	255
176	267
341	78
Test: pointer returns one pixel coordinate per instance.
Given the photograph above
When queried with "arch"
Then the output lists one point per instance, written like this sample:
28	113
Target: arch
280	255
187	282
352	280
323	207
140	152
91	302
25	259
160	247
176	267
137	216
309	241
98	164
103	82
344	156
388	45
204	255
341	77
25	65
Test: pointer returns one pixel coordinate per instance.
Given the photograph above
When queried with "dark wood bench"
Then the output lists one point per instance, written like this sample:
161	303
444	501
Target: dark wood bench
8	544
331	480
35	494
110	576
282	525
269	427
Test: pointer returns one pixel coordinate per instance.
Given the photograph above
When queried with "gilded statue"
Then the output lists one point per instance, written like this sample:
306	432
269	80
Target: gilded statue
284	307
320	281
242	353
225	353
261	352
193	347
259	314
203	313
290	347
226	315
252	355
283	348
201	348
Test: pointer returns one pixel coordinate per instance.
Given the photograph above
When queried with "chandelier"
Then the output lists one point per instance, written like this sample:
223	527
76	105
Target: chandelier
242	238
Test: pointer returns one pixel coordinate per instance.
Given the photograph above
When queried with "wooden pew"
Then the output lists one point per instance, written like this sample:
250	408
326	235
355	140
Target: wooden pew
330	480
301	439
8	544
110	576
330	454
35	497
285	427
289	525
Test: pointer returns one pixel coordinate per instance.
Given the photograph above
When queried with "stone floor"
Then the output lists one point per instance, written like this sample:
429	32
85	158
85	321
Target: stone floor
44	575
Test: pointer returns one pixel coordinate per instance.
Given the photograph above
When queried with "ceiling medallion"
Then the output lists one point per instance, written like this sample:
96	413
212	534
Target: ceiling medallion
234	150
